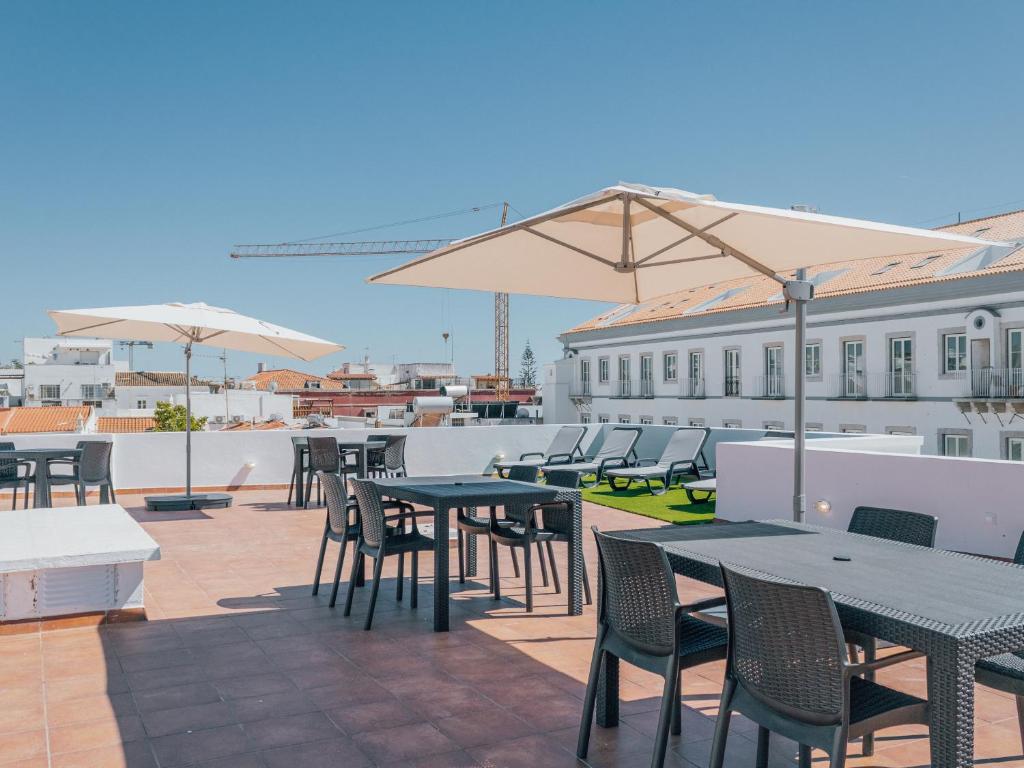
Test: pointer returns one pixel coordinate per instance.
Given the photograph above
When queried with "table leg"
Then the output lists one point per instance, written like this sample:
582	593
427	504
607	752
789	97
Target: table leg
300	479
361	462
41	494
576	557
440	569
608	692
951	707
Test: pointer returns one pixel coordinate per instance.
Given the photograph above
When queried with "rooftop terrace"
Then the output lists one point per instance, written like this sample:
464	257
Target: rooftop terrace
240	667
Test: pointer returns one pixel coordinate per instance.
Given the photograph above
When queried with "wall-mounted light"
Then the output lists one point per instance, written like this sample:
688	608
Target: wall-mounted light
499	456
250	465
823	507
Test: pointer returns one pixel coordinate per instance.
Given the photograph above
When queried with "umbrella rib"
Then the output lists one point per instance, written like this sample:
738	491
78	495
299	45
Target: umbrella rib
670	246
90	327
282	347
713	241
682	261
556	241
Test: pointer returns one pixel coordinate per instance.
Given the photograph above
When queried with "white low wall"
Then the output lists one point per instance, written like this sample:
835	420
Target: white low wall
978	501
219	459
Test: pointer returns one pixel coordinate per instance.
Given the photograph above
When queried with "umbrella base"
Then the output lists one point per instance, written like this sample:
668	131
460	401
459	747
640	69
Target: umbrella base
181	502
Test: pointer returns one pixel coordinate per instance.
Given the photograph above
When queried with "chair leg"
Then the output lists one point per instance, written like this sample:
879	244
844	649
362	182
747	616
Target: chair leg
414	583
80	495
309	489
291	487
870	654
838	757
462	565
589	700
24	503
495	574
722	726
851	651
14	501
528	569
378	566
320	563
515	562
1020	718
357	561
586	582
554	568
677	706
492	563
113	496
104	493
401	577
667	708
543	564
763	745
337	574
804	759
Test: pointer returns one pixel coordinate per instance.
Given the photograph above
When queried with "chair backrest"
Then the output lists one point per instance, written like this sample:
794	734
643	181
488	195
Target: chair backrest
786	646
566	440
94	463
371	512
523	474
394	453
1018	556
620	442
563	478
323	454
895	525
337	501
300	440
9	466
638	593
685	444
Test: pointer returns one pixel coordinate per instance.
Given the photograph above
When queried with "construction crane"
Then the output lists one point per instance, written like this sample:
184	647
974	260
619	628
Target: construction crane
392	248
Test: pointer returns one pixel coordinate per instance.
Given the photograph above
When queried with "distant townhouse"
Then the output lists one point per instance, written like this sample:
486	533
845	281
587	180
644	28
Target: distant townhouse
70	372
931	344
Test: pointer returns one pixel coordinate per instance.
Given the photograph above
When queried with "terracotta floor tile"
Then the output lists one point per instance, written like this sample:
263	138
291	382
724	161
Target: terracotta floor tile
23	745
136	754
109	731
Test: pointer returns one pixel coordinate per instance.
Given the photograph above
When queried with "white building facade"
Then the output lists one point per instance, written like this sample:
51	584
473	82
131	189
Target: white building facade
943	360
70	372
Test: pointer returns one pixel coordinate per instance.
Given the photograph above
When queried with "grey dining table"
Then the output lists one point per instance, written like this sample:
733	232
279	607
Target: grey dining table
955	608
362	446
40	477
443	493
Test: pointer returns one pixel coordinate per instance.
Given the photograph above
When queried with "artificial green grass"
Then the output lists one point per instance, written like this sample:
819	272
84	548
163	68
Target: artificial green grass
671	507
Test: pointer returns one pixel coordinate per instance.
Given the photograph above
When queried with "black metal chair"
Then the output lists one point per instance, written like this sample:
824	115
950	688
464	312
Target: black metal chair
91	468
468	523
520	528
893	525
324	456
1006	672
9	477
378	541
787	670
392	463
640	620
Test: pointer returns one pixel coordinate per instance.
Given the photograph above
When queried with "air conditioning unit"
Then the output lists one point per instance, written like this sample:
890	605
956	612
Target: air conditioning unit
235	418
218	419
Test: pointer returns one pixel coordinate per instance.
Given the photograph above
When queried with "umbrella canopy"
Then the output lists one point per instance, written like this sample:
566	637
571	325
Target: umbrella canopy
191	324
631	243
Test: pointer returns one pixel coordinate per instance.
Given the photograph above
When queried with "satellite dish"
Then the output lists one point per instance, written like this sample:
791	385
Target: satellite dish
273	386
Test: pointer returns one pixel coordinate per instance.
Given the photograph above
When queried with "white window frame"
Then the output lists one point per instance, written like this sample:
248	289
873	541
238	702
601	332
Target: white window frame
603	418
812	359
670	421
603	370
959	355
670	366
647	421
732	365
1015	449
49	391
958	438
142	404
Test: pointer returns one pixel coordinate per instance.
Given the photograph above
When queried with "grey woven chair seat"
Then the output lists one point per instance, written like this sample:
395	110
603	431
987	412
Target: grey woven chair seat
1004	665
868	699
700	641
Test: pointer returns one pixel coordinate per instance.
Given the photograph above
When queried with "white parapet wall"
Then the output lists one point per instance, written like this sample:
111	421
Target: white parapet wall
978	501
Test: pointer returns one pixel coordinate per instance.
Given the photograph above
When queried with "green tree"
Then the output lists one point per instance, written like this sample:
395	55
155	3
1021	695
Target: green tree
171	418
528	367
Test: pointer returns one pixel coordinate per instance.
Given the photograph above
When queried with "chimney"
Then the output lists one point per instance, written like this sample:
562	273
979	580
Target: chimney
261	367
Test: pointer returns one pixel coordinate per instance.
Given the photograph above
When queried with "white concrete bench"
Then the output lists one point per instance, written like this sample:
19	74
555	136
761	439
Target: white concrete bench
69	561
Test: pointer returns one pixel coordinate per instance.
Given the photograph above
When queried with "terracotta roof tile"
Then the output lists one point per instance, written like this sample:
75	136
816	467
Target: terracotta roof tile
878	274
288	380
50	418
153	379
124	424
246	426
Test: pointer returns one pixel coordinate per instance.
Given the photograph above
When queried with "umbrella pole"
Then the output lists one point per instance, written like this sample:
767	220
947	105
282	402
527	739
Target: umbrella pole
799	291
188	420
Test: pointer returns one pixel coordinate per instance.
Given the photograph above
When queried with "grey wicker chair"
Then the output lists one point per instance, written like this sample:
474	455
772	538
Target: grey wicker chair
564	448
378	540
893	525
1006	672
341	525
787	670
520	527
91	468
393	463
640	620
324	456
468	523
683	455
616	451
9	477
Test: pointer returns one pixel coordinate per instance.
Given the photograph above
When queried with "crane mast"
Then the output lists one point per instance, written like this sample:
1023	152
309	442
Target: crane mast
501	335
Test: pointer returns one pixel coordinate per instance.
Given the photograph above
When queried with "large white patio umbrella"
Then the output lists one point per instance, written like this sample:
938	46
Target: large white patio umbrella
189	324
631	243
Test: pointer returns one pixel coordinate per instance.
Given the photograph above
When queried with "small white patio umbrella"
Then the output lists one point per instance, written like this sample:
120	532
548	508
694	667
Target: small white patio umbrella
190	324
631	243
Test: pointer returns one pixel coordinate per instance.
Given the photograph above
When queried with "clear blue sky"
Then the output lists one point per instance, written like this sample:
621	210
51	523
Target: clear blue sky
139	141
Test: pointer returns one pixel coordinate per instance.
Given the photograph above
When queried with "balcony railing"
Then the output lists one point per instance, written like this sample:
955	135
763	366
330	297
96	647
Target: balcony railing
623	388
733	386
894	385
994	383
771	387
580	389
692	388
848	386
634	388
646	388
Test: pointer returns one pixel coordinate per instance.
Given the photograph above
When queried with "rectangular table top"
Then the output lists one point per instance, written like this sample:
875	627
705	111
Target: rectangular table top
953	593
67	537
464	490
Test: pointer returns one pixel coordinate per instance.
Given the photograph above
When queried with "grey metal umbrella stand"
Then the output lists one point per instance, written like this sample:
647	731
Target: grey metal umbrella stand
181	502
